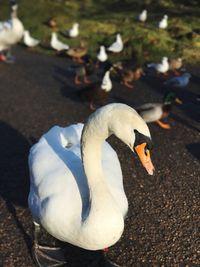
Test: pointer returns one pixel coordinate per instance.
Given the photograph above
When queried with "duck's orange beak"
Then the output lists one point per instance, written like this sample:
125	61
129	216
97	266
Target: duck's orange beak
144	156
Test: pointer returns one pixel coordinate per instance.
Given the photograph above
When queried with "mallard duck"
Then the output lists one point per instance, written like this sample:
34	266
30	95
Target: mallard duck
57	44
128	76
78	52
179	82
52	23
176	64
76	187
30	41
97	93
117	46
162	67
155	112
11	32
143	16
83	70
163	23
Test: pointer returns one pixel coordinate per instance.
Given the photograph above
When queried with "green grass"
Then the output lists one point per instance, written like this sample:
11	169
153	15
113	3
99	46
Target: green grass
101	20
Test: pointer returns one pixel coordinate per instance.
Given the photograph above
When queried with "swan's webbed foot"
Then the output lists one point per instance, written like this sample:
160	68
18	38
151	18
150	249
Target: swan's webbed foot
48	256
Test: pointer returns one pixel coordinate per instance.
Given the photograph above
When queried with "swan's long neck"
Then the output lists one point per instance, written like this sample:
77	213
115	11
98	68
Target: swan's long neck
104	212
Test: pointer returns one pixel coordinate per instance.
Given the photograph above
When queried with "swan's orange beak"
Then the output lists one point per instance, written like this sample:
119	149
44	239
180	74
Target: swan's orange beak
144	156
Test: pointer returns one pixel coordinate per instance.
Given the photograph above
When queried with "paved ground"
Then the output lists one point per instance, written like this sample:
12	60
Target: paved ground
163	226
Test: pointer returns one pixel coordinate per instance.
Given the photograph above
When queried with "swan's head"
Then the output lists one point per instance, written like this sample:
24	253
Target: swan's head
128	126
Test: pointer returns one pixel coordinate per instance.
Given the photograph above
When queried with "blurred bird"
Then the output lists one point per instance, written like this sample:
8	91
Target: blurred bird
176	64
11	32
127	76
143	16
30	41
117	46
78	52
97	93
52	23
56	44
154	112
82	71
163	23
162	67
102	55
74	31
179	82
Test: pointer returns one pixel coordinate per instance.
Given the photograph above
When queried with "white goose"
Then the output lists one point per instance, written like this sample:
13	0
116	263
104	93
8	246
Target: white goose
117	46
76	190
102	55
74	31
163	23
56	44
11	32
29	40
143	16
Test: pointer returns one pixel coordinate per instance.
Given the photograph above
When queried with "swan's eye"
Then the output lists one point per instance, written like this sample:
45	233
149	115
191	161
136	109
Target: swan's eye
146	150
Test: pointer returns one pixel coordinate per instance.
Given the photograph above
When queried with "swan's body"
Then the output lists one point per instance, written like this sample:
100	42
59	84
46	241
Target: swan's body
160	67
143	16
57	44
29	40
102	55
74	31
163	23
117	46
11	32
76	188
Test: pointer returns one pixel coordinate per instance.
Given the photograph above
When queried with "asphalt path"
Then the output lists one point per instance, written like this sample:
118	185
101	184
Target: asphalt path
163	226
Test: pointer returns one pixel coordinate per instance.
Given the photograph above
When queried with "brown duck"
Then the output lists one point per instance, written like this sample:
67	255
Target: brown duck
78	52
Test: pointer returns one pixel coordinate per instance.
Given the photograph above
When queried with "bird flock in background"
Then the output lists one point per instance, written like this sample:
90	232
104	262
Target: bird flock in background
96	93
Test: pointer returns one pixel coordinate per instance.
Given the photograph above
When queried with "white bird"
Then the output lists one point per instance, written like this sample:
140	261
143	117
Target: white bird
163	23
143	16
179	82
76	189
11	32
30	41
117	46
106	82
74	31
160	67
56	44
102	55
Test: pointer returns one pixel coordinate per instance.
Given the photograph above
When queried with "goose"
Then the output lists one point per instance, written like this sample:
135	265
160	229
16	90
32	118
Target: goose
97	93
76	189
179	82
102	55
143	16
11	32
163	23
56	44
30	41
154	112
117	46
162	67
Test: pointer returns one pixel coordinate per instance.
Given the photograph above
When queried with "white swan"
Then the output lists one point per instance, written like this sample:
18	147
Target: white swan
102	55
117	46
56	44
76	190
29	40
11	32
